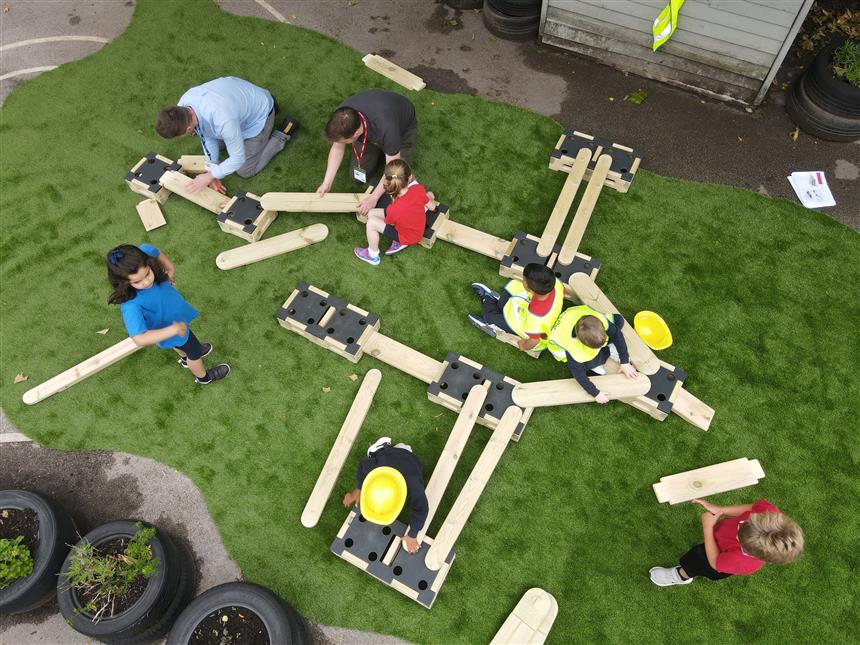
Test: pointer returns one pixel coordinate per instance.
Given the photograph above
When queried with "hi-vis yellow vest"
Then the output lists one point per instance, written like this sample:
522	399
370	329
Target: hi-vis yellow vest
522	321
561	339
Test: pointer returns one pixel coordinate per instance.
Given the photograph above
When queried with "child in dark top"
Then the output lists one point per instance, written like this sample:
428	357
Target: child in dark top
153	311
750	536
402	216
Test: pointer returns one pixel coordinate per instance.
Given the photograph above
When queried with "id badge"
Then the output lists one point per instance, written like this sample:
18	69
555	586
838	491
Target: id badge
359	175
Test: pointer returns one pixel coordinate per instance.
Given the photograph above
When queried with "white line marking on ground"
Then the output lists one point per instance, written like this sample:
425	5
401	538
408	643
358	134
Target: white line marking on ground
29	70
53	39
271	10
14	437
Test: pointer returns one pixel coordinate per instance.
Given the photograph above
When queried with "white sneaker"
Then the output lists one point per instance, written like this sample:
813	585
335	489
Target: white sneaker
667	576
379	443
599	370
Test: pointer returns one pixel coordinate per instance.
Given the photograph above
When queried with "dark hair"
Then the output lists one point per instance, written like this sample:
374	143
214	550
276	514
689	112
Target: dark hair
540	278
590	332
343	123
172	121
124	260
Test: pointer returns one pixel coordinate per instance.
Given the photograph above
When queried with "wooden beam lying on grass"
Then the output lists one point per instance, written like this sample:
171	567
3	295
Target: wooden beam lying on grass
530	621
311	202
81	371
563	203
206	197
710	480
272	247
403	357
340	450
473	239
540	394
394	72
584	210
474	486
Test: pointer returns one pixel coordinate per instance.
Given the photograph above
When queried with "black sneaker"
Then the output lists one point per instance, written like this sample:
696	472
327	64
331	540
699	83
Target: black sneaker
207	349
483	291
215	374
289	126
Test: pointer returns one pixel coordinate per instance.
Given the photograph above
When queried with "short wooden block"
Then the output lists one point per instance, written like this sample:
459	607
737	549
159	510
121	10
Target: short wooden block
531	620
625	160
394	72
693	411
206	197
274	246
145	177
192	164
710	480
244	217
438	216
150	214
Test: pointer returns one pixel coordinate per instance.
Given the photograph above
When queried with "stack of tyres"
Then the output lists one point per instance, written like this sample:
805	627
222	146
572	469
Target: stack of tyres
512	19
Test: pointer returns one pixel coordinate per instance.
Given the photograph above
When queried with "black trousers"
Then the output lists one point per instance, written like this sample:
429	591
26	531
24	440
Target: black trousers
695	563
493	311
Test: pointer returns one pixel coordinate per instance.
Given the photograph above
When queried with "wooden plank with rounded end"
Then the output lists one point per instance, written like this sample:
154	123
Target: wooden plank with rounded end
584	210
562	205
403	357
150	214
691	410
311	202
541	394
277	245
588	293
473	239
710	480
474	486
81	371
531	620
206	197
394	72
340	450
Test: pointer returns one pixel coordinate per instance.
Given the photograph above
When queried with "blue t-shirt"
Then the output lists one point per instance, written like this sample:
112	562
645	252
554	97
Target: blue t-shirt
156	308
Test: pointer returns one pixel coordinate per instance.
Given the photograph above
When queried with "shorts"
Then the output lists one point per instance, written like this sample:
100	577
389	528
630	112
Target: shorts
695	563
192	348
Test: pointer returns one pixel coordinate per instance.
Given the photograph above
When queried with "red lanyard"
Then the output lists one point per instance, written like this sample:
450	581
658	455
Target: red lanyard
360	156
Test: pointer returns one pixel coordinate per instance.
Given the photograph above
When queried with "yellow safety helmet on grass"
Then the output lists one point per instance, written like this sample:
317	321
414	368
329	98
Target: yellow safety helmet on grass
652	329
383	495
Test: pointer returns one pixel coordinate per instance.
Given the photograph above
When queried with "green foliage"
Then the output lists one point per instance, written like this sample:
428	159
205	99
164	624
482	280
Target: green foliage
103	578
15	561
846	62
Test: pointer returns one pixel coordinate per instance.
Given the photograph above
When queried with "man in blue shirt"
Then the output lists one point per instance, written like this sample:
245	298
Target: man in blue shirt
232	111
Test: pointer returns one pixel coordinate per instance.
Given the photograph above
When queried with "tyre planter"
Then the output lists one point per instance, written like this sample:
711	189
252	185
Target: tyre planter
55	533
201	622
827	90
510	27
168	591
520	8
464	4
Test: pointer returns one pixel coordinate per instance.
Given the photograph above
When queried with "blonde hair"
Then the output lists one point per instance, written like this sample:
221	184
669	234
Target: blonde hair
590	332
771	537
397	173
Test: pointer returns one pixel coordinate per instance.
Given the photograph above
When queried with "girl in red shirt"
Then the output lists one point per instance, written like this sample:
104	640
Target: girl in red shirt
400	214
750	536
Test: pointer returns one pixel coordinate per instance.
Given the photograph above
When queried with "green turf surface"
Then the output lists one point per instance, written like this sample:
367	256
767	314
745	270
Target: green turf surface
761	295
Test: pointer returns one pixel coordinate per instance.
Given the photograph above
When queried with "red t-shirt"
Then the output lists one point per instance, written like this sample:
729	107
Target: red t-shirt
731	558
541	308
406	214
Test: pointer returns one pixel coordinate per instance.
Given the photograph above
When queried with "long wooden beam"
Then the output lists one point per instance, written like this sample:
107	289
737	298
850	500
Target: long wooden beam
271	247
403	357
531	620
710	480
394	72
206	197
584	210
567	391
340	450
81	371
474	240
311	202
474	486
562	205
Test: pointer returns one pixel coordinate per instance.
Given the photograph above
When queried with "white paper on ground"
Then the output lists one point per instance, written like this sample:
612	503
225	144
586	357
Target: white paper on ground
812	189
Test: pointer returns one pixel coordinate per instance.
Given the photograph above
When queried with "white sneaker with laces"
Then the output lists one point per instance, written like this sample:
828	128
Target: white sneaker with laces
667	577
379	443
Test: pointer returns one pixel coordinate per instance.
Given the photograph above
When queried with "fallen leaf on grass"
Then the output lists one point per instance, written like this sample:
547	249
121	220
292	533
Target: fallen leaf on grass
104	331
636	97
326	389
353	377
20	378
794	134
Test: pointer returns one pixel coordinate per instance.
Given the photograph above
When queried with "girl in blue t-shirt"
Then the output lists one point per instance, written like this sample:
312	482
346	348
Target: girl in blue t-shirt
153	311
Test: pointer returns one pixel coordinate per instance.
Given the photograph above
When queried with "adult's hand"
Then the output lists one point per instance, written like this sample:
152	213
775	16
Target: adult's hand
216	184
200	182
601	398
367	204
323	189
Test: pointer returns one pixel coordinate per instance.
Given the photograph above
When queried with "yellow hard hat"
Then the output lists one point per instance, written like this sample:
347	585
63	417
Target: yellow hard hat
383	495
652	329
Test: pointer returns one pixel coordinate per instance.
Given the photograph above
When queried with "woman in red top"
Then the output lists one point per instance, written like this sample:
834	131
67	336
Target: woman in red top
400	215
752	535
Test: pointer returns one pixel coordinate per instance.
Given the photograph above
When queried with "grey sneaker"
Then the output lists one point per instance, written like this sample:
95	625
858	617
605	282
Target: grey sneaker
483	291
207	349
487	328
667	576
214	374
599	370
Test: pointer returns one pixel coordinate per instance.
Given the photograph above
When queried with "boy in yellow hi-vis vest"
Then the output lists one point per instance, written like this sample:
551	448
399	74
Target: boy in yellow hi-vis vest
527	308
585	339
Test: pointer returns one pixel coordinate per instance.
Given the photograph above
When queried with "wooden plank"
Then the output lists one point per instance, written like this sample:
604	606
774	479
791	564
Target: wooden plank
693	411
513	340
710	480
567	391
588	293
79	372
14	437
192	164
340	450
584	210
394	72
150	214
530	621
474	240
468	497
565	200
271	247
404	358
311	202
206	197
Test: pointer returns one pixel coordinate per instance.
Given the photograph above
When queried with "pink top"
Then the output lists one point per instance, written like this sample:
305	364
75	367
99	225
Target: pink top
731	558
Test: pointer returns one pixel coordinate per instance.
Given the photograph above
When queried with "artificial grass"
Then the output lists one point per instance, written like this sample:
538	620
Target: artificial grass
762	297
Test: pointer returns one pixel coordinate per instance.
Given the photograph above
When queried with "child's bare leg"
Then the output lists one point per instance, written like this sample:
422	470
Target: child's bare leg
683	573
180	352
197	367
375	226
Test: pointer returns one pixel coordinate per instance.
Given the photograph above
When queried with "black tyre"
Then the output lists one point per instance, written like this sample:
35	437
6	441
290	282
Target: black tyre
465	4
56	533
517	7
509	27
167	592
814	120
827	90
283	623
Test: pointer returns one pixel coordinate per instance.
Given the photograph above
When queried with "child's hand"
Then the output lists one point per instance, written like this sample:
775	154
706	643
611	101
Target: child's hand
180	328
351	498
629	370
171	275
713	509
526	344
411	544
366	204
601	398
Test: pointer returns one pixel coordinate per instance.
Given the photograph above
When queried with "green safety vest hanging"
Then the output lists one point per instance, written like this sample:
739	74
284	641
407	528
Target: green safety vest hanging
522	321
664	24
563	342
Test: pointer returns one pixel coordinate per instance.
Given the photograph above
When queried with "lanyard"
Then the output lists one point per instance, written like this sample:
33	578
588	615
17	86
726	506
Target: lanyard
360	156
203	142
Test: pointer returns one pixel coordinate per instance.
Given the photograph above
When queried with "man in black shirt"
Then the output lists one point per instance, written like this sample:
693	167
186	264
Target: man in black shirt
375	123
